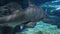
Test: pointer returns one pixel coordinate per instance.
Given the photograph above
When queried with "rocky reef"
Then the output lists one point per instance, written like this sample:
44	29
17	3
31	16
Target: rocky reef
41	28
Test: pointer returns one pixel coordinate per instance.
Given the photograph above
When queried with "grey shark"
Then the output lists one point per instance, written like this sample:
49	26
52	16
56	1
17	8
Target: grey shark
32	14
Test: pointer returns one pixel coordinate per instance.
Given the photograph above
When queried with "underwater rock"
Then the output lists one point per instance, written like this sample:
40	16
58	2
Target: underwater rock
39	32
43	27
53	11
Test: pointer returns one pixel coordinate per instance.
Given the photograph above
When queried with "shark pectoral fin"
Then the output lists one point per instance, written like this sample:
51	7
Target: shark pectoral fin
30	25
